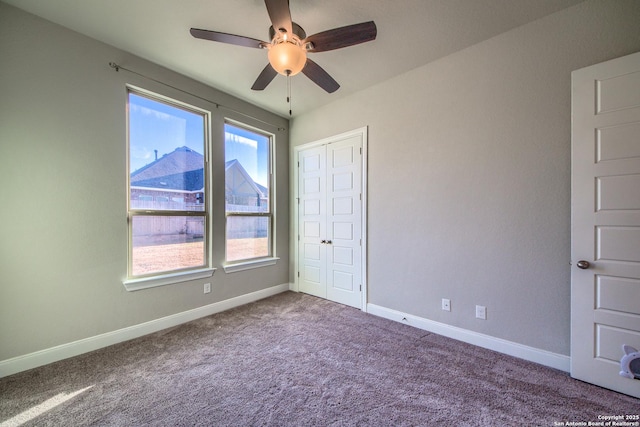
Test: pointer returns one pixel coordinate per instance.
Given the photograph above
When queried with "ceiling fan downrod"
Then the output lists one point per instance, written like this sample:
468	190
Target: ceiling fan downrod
289	90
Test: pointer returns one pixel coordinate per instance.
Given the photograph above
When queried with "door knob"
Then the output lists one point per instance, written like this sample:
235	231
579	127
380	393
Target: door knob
328	242
323	241
583	264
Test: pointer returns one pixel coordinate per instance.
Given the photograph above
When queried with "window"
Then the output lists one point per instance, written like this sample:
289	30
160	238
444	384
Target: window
248	183
168	200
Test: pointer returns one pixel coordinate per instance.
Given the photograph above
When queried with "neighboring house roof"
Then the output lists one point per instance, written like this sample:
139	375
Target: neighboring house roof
186	181
237	177
182	169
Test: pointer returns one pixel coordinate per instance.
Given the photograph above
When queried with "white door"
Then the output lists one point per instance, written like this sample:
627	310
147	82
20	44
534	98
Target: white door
312	222
330	220
605	290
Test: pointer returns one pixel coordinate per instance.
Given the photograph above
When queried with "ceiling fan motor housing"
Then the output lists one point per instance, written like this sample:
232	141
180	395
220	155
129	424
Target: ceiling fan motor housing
297	30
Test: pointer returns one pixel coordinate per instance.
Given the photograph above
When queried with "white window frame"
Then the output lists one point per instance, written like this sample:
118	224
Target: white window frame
133	283
271	258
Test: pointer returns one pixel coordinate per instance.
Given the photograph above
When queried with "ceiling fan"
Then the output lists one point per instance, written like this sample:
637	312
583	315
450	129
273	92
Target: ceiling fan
289	45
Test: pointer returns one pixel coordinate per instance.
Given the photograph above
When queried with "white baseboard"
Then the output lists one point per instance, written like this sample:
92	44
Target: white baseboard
532	354
64	351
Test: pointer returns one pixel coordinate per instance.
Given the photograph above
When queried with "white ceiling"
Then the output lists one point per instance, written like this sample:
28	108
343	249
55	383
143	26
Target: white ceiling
411	33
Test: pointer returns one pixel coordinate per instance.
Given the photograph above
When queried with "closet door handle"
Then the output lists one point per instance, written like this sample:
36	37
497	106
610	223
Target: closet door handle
328	242
583	264
323	241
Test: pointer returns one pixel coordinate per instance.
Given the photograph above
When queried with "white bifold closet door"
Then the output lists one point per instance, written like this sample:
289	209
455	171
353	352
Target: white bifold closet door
330	220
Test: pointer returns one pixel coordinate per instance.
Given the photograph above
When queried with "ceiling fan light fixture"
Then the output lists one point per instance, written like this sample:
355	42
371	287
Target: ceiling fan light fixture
287	57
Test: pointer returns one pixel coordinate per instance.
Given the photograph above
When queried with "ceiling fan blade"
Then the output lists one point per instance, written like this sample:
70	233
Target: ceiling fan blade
227	38
279	14
342	37
320	77
265	77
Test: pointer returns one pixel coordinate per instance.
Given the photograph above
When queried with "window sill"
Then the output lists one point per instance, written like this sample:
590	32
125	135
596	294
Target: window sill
248	265
167	279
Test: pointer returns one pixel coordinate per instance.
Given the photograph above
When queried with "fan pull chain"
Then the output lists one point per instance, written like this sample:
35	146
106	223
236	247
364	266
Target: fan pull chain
289	90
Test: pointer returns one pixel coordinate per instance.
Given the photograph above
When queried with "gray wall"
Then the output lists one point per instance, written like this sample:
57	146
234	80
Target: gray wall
469	174
63	229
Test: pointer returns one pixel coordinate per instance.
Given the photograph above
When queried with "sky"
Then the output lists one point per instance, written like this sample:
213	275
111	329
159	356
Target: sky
158	126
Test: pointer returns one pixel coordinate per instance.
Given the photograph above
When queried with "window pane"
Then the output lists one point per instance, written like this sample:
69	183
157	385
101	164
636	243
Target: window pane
247	191
247	237
166	146
166	157
165	243
246	170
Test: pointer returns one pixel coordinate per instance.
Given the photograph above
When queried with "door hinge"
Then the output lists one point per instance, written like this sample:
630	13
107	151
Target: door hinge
360	150
298	237
298	274
360	288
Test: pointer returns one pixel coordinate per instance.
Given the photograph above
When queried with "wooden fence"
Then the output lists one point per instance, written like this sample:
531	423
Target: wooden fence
194	227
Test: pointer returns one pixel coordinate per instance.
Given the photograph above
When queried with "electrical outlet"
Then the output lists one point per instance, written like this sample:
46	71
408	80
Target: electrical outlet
446	304
207	288
481	312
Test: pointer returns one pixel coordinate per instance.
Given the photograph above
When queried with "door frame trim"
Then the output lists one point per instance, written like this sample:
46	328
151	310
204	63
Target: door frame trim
363	133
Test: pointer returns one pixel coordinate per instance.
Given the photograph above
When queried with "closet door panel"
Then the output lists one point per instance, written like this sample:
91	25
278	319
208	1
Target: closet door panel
312	223
344	221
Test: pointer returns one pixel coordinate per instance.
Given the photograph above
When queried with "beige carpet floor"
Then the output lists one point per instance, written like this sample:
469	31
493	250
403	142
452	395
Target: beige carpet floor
296	360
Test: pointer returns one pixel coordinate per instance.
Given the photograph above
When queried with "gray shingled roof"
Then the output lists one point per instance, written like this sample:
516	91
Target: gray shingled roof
182	169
